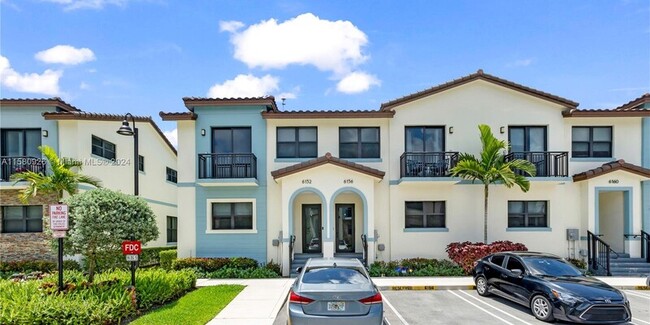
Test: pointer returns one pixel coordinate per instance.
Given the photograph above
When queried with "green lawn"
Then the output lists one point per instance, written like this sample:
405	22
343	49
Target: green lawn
197	307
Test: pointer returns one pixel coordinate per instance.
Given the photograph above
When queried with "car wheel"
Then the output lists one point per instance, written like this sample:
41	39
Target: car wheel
542	308
482	286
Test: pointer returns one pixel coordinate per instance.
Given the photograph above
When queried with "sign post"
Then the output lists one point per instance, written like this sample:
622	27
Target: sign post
132	249
59	225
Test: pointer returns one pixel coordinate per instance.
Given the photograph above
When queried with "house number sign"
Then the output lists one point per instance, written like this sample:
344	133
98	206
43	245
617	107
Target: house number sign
613	181
306	181
348	181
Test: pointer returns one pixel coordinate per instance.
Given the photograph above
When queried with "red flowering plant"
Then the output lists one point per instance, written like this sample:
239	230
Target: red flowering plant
465	254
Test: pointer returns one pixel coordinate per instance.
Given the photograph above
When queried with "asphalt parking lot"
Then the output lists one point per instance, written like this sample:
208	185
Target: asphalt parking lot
467	307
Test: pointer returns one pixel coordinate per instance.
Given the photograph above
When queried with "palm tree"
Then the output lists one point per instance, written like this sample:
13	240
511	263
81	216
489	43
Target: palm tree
61	179
492	168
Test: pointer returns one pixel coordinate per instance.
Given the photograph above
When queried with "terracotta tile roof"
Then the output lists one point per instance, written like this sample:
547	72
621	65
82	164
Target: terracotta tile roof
327	159
54	101
478	75
638	107
177	116
106	117
268	101
611	167
328	114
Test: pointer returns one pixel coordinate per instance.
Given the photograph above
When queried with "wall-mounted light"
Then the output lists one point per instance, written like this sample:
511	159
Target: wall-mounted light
44	133
502	129
202	132
451	130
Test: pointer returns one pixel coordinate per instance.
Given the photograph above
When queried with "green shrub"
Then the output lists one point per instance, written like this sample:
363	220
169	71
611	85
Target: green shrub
415	267
467	253
106	301
275	267
208	265
71	265
577	263
27	266
233	273
166	258
115	260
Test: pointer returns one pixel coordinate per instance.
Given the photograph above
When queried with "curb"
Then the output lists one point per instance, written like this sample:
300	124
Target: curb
472	287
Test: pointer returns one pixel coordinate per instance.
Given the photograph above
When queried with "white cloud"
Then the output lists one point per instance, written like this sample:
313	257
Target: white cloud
65	54
304	40
88	4
172	136
521	63
231	26
46	83
245	85
84	86
357	82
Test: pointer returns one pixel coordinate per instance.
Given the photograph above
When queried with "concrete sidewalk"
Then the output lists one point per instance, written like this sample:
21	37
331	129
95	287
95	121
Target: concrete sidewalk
262	299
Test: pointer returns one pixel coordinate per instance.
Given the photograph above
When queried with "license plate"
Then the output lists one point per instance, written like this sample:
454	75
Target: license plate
336	306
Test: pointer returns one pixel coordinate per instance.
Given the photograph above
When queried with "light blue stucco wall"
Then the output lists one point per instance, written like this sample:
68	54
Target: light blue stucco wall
645	162
31	118
248	245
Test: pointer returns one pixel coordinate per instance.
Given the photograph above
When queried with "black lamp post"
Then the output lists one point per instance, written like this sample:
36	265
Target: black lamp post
125	129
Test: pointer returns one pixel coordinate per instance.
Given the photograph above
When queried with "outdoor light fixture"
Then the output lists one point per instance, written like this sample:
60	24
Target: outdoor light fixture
451	130
502	129
203	132
44	133
125	129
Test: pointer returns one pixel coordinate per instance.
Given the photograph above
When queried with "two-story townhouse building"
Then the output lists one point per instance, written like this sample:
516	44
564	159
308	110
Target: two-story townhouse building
90	138
377	183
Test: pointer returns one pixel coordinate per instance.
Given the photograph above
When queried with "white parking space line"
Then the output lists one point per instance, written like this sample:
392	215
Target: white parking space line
497	309
479	307
637	294
638	320
404	322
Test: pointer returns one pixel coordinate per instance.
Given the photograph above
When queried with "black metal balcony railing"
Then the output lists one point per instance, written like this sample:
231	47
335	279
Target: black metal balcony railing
547	163
427	164
227	165
13	165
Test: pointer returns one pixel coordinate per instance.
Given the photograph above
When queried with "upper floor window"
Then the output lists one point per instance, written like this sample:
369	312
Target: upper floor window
425	139
427	214
359	142
236	215
231	140
527	138
527	214
21	142
141	163
297	142
172	175
103	148
17	219
172	229
591	141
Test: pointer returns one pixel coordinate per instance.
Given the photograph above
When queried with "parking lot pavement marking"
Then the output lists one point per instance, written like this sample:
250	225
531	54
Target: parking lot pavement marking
499	310
479	307
401	319
637	294
638	320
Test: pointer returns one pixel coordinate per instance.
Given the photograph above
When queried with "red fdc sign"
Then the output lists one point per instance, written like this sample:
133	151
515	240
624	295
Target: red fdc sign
131	247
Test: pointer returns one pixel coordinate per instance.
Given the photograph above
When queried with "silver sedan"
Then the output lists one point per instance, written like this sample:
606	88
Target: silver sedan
334	291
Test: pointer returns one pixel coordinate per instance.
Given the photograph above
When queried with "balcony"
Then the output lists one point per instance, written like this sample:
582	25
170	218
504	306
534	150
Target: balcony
427	164
227	165
547	163
13	165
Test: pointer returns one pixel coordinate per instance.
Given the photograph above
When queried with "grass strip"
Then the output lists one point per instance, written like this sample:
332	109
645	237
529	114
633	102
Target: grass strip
196	307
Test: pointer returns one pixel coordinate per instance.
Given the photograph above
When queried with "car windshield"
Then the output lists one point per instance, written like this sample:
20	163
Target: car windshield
550	266
334	275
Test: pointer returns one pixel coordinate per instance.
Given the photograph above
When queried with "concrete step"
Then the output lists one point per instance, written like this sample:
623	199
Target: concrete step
622	255
628	260
631	264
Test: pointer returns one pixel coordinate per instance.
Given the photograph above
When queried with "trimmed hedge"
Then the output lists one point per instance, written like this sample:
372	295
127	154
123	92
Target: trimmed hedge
467	253
7	269
115	260
233	273
166	258
415	267
209	265
577	263
108	300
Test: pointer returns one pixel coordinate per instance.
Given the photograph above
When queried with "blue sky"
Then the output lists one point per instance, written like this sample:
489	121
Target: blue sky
139	56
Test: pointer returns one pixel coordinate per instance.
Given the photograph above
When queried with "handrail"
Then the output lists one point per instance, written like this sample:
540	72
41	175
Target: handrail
428	164
292	240
10	165
364	242
598	253
645	249
547	163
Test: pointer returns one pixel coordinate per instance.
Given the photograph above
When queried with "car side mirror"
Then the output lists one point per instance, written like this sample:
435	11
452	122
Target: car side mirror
299	269
517	273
